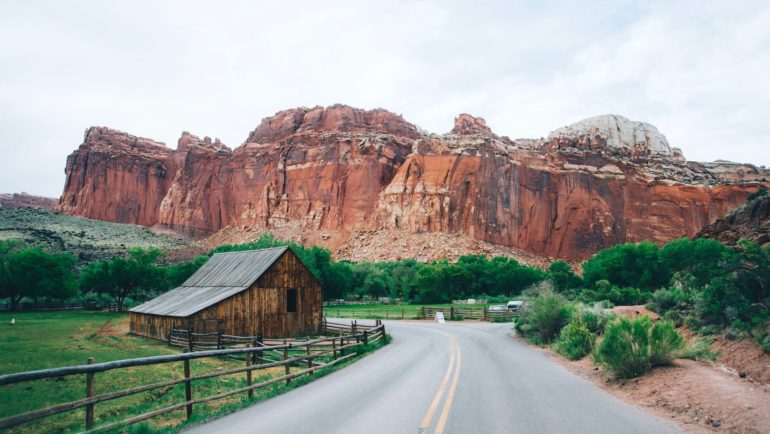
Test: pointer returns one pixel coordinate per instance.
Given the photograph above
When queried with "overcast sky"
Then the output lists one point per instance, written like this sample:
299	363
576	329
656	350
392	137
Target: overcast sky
698	70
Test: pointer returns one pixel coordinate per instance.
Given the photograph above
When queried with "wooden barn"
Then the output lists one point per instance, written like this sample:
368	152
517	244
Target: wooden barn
266	292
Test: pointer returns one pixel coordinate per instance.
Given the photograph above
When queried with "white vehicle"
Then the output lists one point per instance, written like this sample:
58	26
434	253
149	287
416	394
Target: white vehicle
515	305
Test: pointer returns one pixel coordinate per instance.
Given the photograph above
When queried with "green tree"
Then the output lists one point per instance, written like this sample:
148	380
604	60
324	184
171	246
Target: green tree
123	277
703	258
32	272
563	278
628	265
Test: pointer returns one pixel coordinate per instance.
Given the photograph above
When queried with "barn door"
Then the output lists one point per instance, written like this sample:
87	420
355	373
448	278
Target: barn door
292	305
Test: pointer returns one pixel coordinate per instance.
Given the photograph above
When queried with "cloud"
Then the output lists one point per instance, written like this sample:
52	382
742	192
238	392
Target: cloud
695	69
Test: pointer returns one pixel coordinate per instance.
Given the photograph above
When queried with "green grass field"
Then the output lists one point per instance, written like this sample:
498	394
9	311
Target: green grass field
42	340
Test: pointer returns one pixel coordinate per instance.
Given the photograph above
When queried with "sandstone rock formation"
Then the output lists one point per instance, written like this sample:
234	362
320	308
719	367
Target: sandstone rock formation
331	175
24	200
750	221
613	133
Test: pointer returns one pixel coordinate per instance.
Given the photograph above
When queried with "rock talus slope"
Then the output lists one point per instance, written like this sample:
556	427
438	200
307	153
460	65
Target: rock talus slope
328	175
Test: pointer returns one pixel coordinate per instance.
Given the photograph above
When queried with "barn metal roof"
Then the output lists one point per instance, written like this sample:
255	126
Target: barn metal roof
223	275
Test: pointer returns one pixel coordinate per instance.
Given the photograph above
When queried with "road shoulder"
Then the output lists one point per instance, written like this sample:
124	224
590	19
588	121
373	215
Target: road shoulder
698	396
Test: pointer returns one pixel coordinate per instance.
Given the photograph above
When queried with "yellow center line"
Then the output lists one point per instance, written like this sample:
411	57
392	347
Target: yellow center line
448	403
440	392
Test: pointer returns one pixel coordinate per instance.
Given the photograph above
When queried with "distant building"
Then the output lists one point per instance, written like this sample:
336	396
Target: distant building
267	292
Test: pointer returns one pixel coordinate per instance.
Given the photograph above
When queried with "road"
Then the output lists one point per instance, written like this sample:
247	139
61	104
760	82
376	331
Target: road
445	378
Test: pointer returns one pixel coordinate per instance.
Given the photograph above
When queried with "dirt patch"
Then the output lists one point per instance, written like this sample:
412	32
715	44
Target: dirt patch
701	397
114	327
744	356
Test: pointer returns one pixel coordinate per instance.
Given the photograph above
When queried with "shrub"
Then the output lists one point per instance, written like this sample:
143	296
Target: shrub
545	314
664	341
575	340
632	346
667	299
765	344
595	321
698	349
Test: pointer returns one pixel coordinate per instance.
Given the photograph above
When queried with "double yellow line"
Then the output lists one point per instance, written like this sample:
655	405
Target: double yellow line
455	361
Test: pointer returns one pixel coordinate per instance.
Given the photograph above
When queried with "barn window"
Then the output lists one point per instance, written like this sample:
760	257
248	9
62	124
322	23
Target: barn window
291	300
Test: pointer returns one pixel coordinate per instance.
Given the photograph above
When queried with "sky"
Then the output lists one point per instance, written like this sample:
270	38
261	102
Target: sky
698	70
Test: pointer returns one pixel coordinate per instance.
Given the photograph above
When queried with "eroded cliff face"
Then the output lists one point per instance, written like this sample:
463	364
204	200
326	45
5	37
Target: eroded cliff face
328	175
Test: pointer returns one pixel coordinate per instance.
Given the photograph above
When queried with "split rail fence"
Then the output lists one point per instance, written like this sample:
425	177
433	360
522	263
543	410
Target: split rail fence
426	312
256	355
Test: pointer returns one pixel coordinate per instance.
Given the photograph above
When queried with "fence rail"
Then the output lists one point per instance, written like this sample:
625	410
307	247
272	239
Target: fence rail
456	313
39	306
311	355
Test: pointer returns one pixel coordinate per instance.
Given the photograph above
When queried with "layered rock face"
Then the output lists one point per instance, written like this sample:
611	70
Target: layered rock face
750	221
327	175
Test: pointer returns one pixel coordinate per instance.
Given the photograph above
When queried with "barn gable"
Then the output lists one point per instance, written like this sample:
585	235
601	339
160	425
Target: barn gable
222	276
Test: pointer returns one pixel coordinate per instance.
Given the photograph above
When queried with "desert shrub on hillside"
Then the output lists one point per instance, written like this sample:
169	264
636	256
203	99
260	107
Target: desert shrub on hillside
664	341
575	340
765	344
544	315
697	349
632	346
595	320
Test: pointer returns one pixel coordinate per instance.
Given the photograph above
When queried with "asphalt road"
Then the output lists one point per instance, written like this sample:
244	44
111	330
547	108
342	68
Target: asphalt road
450	378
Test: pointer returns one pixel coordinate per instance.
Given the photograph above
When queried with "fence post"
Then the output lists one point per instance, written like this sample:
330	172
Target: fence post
189	339
248	372
334	348
366	337
486	316
451	313
286	358
90	394
219	340
309	360
259	355
188	387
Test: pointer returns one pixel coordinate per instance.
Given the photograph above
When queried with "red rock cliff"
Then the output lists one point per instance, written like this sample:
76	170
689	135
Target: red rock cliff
341	170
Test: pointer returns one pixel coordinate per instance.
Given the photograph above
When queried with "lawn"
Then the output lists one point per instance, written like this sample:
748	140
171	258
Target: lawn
42	340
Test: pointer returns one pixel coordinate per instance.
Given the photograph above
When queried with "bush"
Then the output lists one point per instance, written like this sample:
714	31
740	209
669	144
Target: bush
545	314
595	321
765	344
664	341
667	299
575	340
632	346
698	349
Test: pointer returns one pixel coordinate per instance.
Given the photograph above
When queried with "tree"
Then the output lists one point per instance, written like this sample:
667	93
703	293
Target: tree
628	265
31	272
703	258
563	278
176	274
123	277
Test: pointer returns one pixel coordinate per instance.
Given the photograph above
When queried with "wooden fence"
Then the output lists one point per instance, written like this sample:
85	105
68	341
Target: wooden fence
458	313
311	355
41	306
